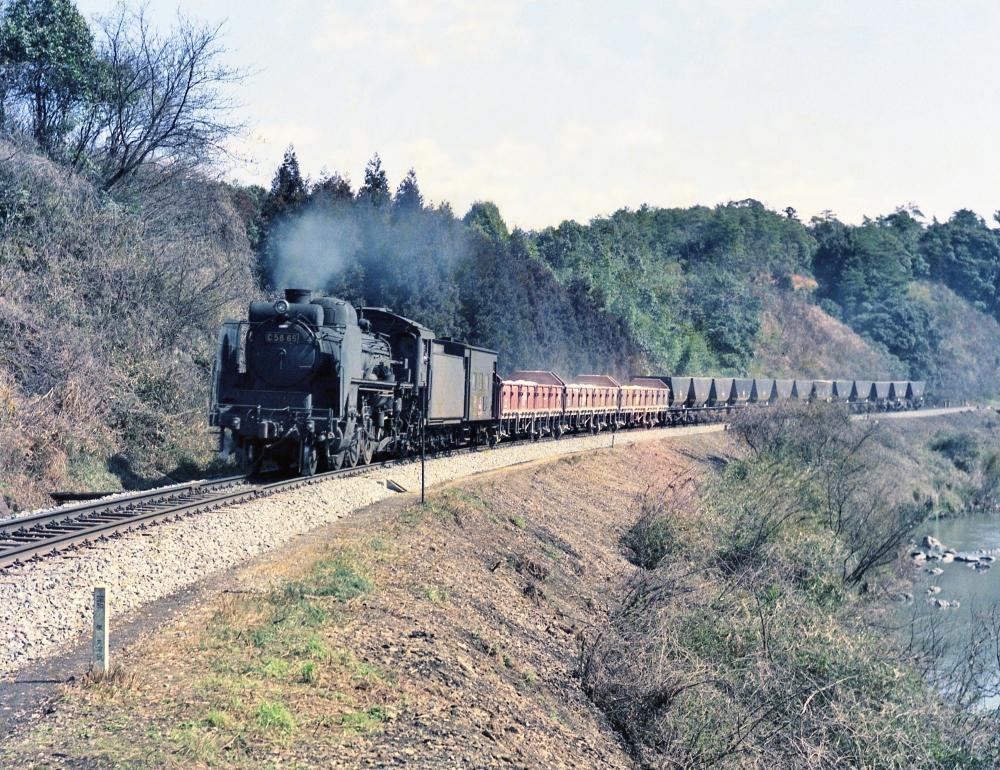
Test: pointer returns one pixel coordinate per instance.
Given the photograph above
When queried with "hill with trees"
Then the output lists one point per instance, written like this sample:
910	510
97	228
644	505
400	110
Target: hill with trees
736	288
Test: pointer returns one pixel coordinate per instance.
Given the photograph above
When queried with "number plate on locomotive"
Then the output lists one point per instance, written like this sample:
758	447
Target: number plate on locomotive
282	338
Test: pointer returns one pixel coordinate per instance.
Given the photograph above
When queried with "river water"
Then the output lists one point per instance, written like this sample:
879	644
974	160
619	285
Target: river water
974	589
960	581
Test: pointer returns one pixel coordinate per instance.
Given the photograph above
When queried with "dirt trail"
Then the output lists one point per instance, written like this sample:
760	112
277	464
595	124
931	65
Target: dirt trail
462	652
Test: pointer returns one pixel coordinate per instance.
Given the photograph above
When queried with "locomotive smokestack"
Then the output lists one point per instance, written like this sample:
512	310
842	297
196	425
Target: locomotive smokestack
293	296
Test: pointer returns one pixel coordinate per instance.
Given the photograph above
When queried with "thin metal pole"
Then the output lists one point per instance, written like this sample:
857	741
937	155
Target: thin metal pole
423	431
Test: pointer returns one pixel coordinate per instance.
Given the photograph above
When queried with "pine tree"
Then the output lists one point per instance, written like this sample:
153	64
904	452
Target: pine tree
288	188
375	190
288	195
333	190
408	197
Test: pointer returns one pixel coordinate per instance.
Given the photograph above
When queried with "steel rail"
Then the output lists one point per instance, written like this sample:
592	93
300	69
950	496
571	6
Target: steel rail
34	536
115	504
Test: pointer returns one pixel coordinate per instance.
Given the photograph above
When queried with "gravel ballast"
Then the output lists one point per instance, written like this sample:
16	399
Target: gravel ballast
46	604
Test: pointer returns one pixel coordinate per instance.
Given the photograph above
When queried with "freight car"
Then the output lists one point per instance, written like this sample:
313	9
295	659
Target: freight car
312	383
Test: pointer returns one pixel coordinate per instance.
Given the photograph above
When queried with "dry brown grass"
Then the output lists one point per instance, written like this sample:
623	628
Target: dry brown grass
108	316
800	340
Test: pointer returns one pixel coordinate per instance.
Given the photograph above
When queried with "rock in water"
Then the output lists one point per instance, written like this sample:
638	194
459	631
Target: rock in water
931	542
934	590
980	566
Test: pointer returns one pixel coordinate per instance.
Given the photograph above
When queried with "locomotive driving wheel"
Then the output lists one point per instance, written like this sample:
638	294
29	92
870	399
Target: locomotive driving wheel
367	444
308	459
352	455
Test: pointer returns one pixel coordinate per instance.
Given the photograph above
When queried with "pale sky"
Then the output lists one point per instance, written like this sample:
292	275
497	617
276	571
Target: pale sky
561	110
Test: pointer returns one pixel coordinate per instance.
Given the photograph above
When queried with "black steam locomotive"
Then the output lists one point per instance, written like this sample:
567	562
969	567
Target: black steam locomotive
309	383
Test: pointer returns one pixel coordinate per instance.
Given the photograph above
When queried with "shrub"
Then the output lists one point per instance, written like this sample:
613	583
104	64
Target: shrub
961	448
658	516
750	645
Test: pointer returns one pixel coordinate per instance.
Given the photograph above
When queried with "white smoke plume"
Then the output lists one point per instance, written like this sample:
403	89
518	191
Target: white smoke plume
313	247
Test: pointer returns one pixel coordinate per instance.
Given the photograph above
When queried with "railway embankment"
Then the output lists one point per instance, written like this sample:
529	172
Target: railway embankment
439	635
688	600
47	604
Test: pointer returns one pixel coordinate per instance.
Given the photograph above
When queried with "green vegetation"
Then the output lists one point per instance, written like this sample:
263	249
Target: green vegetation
961	448
274	716
435	594
337	577
751	637
696	290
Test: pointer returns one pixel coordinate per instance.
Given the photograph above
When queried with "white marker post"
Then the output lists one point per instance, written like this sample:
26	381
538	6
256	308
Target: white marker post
101	657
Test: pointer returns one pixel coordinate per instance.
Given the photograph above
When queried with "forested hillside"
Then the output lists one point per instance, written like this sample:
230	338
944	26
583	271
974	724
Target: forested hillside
736	288
121	252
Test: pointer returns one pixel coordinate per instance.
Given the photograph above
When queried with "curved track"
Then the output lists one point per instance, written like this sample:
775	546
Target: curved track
30	538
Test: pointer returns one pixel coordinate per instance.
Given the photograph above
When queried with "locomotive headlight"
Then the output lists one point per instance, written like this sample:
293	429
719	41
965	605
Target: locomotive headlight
281	307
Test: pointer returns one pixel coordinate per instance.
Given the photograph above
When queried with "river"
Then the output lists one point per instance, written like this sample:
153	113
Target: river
974	589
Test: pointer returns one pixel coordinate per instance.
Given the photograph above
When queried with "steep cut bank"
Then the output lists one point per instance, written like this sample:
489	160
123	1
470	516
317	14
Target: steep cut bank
109	314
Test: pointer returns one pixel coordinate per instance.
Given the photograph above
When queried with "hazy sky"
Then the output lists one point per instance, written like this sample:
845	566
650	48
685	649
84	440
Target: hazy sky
569	110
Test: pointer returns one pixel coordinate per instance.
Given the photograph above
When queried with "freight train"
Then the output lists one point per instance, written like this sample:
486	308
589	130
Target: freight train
317	384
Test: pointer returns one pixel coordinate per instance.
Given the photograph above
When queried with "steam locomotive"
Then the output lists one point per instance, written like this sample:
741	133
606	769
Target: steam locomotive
310	383
307	382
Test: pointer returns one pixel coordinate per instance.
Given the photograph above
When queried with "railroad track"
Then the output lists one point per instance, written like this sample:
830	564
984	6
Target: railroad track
33	537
